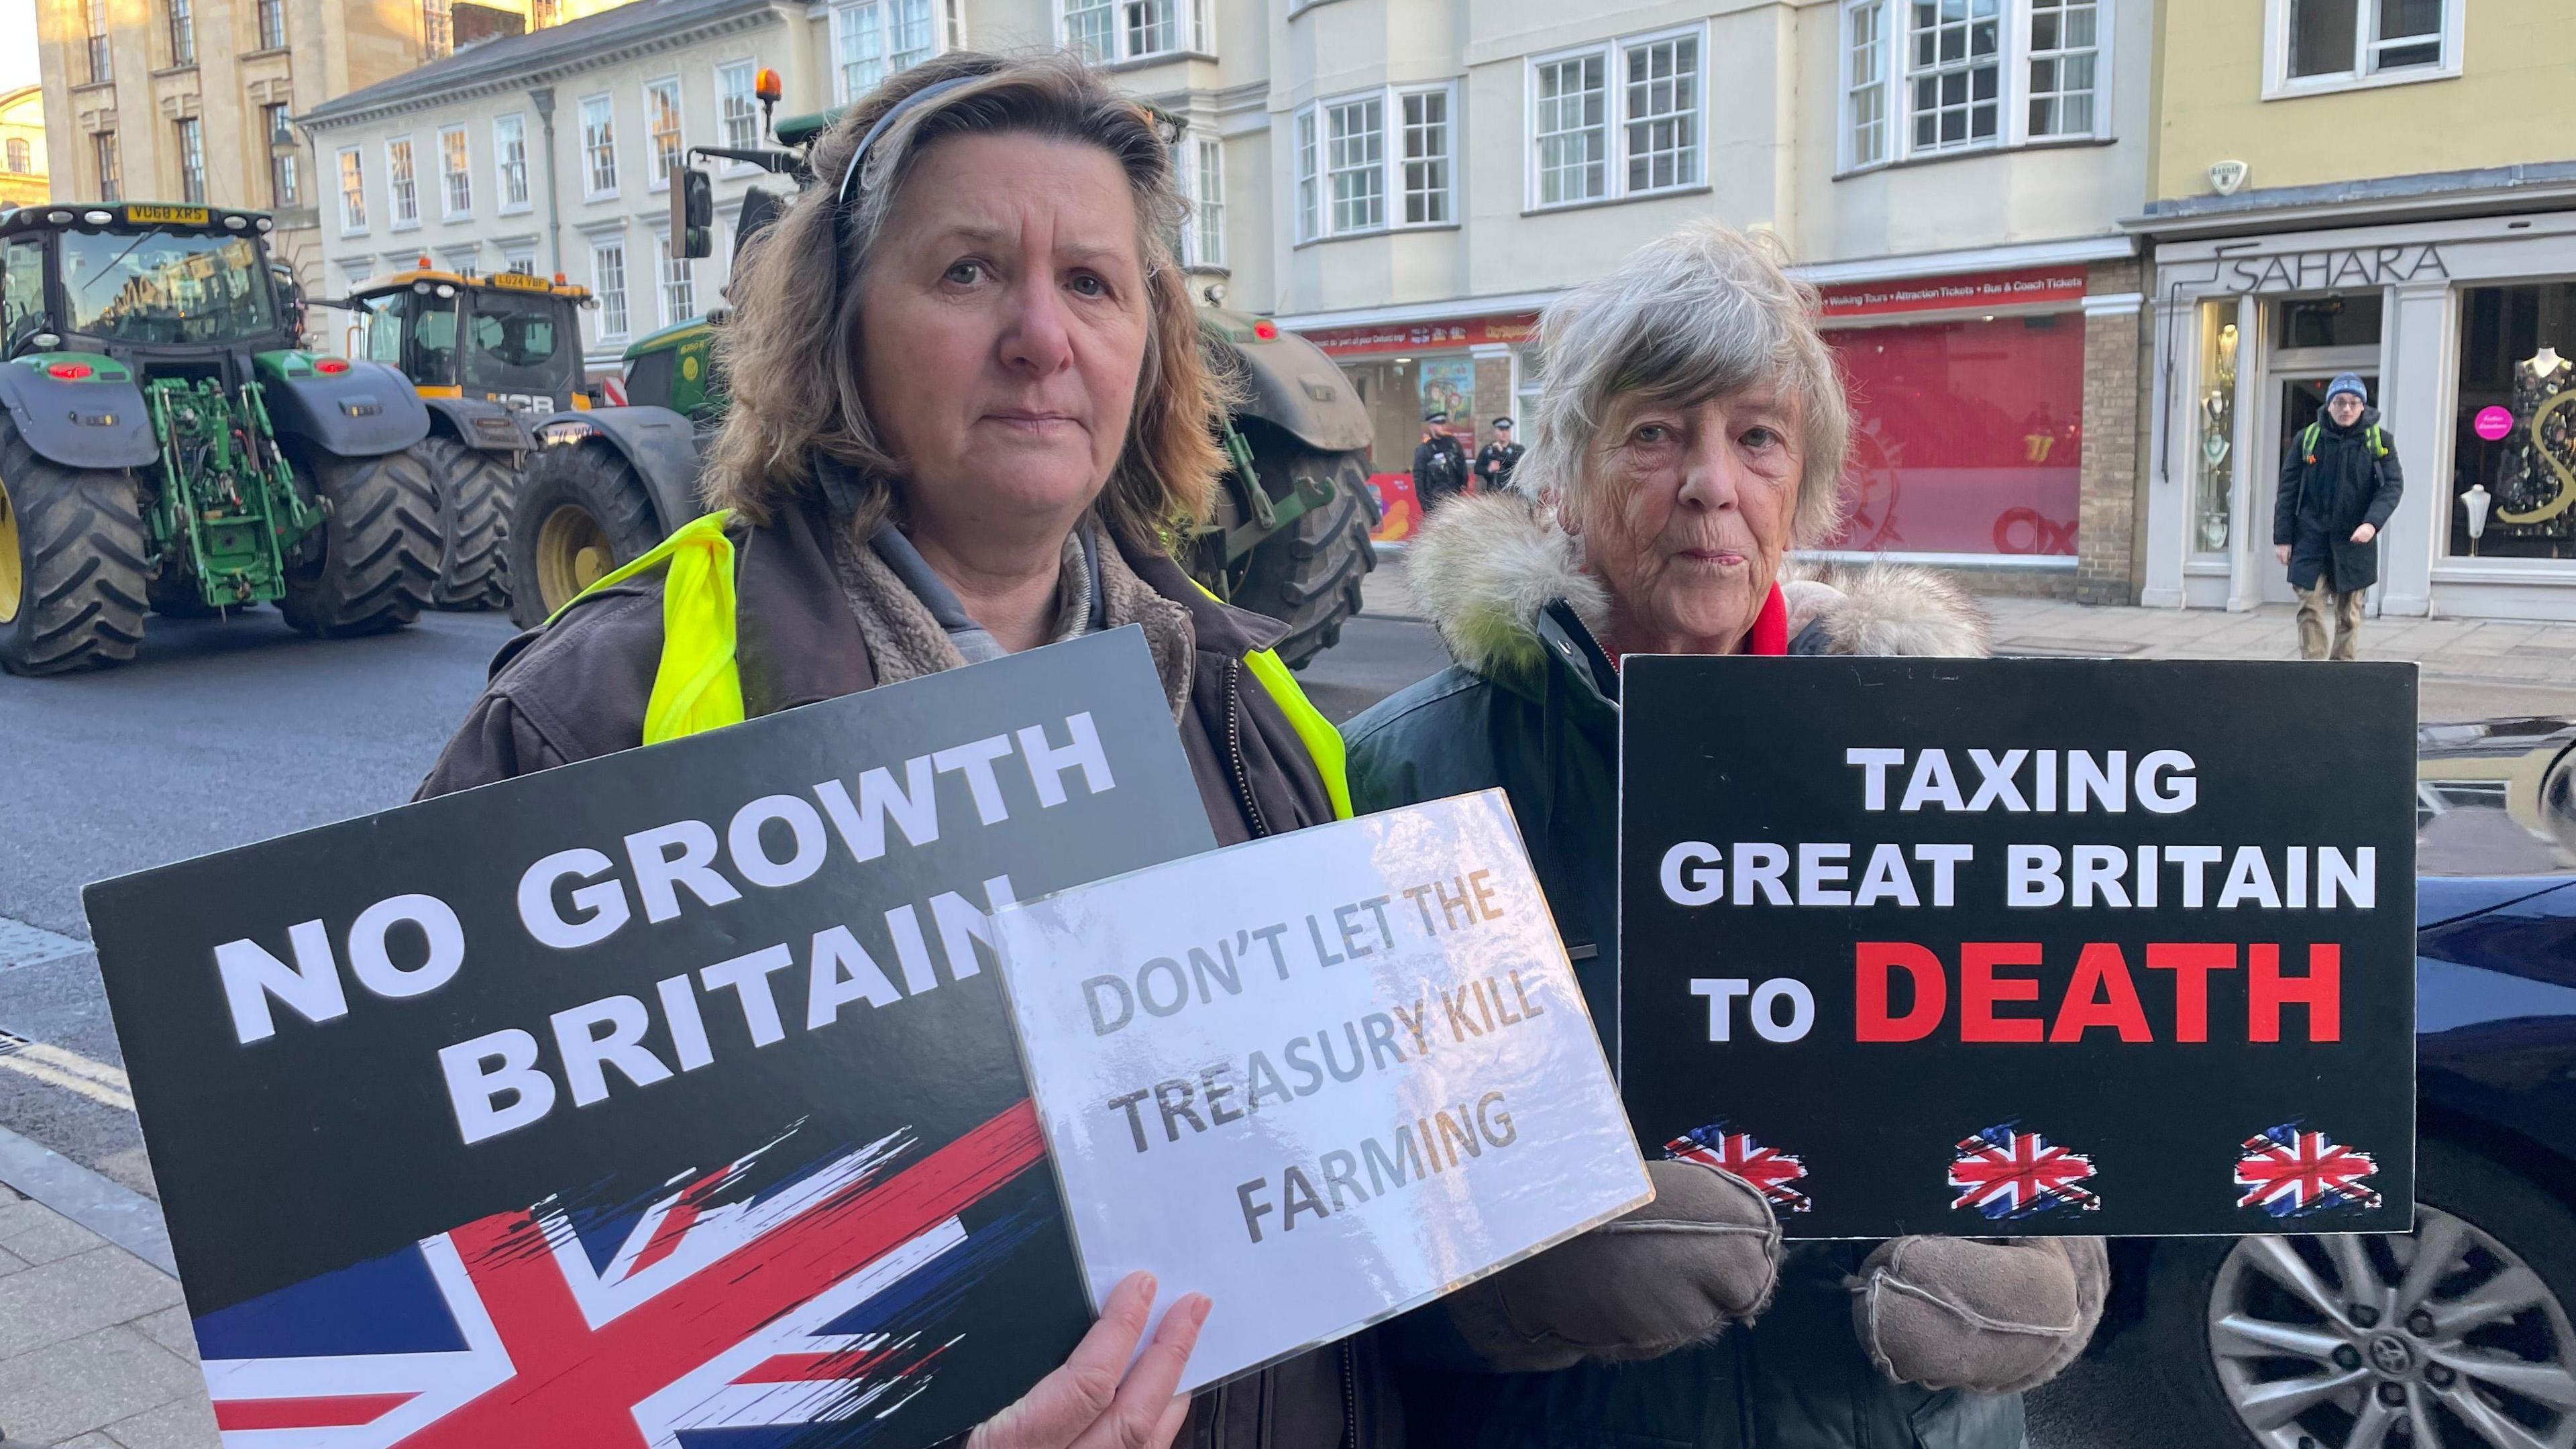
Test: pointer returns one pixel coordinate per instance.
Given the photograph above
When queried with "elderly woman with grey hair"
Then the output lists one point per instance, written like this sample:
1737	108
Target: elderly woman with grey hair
1691	427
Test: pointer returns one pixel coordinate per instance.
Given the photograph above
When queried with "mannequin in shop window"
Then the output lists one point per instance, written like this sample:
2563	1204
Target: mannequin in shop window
2339	483
2540	456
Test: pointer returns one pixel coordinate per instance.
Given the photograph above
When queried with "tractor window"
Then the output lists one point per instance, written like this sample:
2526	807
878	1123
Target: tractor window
384	327
26	288
515	343
415	331
166	287
433	340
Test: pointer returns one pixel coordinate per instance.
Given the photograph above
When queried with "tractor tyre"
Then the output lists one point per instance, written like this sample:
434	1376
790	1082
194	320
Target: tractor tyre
582	510
1307	575
474	489
377	567
72	549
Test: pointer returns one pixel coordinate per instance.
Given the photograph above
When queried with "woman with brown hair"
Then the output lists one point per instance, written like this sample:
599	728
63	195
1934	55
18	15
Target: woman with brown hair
968	416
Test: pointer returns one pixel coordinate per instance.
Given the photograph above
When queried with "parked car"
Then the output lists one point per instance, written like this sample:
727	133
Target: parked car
2457	1334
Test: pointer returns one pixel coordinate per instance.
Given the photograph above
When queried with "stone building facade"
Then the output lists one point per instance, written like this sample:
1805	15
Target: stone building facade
1955	191
190	100
1408	184
23	180
2342	190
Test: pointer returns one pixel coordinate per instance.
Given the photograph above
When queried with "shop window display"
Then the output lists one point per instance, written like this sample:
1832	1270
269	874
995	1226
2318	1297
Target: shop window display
2214	460
1967	436
2513	484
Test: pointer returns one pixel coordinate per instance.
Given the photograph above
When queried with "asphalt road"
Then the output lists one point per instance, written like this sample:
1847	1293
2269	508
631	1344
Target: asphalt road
221	734
224	733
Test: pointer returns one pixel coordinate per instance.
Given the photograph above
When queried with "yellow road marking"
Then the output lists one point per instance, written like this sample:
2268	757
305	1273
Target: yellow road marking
69	1070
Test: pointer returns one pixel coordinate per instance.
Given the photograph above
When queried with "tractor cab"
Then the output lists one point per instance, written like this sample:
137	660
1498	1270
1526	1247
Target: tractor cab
153	287
502	337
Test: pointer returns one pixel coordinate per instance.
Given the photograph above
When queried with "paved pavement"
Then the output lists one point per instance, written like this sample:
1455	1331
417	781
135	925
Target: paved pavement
226	733
2470	668
95	1351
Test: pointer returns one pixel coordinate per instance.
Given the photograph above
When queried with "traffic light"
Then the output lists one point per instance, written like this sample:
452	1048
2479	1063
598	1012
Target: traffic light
693	212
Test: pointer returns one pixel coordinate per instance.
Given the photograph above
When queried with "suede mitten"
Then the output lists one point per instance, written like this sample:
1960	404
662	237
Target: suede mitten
1997	1316
1703	1254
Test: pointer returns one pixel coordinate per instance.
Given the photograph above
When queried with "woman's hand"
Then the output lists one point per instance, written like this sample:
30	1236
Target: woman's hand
1087	1404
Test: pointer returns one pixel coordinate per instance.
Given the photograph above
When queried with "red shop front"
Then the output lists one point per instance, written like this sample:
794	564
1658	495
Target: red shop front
1967	397
1464	367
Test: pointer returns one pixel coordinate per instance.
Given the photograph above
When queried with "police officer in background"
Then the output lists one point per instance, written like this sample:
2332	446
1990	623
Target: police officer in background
1496	460
1439	464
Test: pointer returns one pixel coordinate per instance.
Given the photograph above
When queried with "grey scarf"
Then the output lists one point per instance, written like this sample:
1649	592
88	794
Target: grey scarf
914	624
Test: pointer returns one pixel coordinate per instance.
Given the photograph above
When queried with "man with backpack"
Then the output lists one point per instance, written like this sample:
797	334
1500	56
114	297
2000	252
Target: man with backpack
2339	483
1439	464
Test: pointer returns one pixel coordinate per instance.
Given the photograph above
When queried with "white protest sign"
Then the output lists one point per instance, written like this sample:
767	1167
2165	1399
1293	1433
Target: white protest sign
1321	1078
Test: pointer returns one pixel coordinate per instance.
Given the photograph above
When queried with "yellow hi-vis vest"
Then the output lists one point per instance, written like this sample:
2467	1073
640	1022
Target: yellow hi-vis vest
697	685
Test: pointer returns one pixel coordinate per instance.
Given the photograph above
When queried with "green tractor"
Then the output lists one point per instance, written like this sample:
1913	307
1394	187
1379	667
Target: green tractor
485	351
1291	535
169	448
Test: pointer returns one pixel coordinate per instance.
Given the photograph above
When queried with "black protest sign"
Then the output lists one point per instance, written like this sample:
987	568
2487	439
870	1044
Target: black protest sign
2024	946
670	1092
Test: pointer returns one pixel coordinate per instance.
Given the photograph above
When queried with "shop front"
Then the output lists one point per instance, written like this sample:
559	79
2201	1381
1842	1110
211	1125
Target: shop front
1969	412
1967	398
1469	368
2465	331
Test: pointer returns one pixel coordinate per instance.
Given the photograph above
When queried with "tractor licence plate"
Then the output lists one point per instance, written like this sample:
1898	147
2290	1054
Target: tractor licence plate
177	215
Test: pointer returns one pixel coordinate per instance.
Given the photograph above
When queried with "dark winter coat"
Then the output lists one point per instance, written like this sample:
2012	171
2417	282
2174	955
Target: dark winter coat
576	688
1502	458
1531	705
2330	490
1439	468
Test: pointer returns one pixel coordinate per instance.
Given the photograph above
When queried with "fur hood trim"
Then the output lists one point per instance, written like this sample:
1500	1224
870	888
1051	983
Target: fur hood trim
1486	565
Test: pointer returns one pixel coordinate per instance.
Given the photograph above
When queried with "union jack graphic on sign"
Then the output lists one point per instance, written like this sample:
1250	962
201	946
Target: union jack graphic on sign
1768	1169
2289	1173
2007	1174
723	1313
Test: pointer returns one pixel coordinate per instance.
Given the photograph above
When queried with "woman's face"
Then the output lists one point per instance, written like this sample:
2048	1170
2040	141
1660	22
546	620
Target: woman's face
1688	514
1006	323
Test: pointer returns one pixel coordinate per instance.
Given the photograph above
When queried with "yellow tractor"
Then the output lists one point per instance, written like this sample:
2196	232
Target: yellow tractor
486	352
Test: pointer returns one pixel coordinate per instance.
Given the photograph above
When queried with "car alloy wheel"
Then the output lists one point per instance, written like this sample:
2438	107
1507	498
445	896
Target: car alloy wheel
2443	1338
